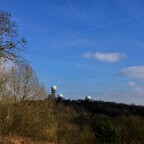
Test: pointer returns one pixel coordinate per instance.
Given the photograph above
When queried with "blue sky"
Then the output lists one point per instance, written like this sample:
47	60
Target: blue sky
85	47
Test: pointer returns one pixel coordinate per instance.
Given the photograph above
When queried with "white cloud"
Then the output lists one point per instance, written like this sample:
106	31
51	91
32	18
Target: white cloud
105	57
109	57
135	72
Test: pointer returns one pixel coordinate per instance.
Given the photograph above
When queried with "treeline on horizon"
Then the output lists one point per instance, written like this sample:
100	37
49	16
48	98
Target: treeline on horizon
27	110
106	107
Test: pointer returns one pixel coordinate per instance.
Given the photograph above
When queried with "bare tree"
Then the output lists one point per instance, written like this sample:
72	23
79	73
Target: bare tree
10	44
21	83
3	81
24	83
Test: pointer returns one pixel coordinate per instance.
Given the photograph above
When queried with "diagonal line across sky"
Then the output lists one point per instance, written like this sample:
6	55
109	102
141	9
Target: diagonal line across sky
111	23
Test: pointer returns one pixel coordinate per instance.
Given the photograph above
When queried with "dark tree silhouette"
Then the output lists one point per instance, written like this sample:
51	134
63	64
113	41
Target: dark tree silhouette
10	43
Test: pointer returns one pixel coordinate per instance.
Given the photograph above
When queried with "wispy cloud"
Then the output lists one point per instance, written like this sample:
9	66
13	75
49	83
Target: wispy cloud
136	88
105	57
111	23
88	55
132	84
134	71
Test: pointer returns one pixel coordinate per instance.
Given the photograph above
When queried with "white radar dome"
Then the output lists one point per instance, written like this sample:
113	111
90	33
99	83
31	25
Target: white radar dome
88	97
60	95
54	87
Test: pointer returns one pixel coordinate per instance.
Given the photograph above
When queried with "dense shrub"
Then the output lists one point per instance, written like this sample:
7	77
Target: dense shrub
105	132
33	119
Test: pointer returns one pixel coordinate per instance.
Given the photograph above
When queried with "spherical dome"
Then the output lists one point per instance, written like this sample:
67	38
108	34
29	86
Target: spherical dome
88	97
54	87
60	95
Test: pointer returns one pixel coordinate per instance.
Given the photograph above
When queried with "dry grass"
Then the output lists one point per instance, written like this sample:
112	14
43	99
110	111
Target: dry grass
20	140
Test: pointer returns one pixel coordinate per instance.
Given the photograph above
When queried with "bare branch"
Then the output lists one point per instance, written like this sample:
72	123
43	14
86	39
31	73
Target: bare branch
10	44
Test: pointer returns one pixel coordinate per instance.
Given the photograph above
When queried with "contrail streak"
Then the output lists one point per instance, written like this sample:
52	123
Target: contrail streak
111	23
